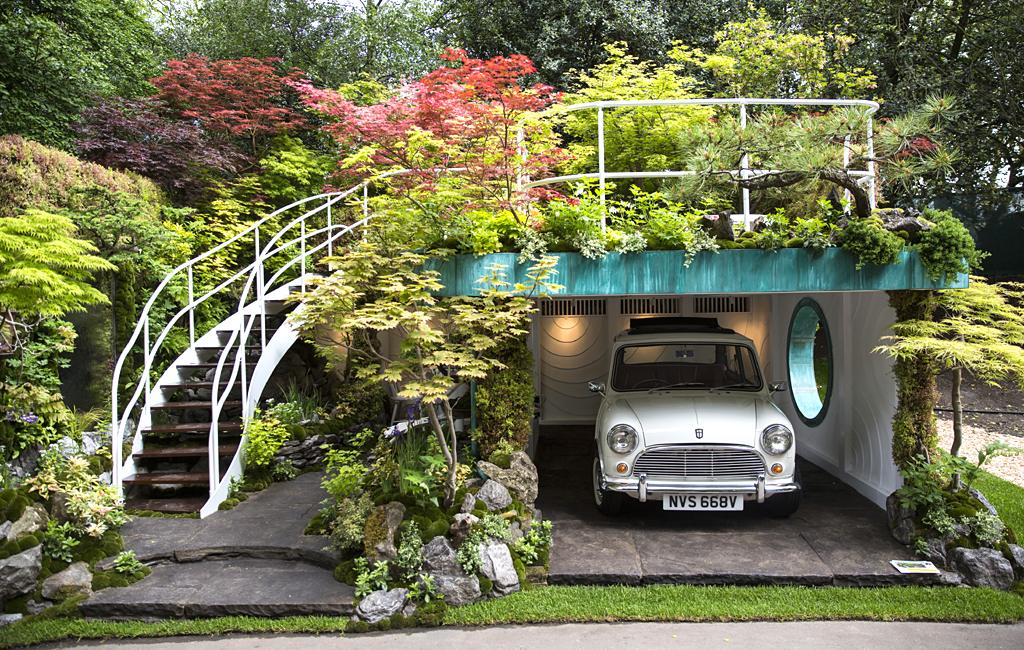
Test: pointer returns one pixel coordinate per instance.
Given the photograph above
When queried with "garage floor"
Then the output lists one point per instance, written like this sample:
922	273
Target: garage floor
837	537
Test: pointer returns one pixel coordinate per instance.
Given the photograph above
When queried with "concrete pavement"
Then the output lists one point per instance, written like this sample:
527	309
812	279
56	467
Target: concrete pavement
847	634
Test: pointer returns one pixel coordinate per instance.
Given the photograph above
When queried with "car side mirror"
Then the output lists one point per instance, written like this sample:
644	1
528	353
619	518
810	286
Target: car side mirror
778	387
596	387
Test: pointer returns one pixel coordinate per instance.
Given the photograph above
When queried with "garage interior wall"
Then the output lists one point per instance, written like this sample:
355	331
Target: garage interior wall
854	440
571	339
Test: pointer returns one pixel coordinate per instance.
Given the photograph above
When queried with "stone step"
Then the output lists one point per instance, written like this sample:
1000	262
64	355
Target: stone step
168	478
179	505
229	587
192	427
184	451
177	406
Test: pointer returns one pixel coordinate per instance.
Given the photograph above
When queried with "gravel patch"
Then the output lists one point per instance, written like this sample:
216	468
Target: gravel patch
976	438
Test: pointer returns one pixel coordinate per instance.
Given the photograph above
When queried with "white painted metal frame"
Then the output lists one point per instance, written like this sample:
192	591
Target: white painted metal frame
744	172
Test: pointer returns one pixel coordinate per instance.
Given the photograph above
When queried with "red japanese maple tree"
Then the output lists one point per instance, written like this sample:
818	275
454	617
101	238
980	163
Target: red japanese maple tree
246	98
464	116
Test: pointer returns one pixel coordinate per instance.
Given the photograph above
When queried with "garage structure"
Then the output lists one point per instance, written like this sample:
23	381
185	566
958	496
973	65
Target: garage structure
815	320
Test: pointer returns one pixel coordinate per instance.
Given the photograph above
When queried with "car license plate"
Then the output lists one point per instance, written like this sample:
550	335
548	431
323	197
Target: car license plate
702	502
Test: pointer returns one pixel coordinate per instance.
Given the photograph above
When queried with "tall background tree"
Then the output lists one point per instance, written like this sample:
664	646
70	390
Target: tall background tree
56	55
334	41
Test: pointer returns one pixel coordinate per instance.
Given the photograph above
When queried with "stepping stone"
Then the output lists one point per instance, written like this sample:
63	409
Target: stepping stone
233	587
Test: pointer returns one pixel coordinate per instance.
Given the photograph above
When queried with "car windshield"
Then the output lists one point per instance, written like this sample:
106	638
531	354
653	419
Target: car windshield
685	366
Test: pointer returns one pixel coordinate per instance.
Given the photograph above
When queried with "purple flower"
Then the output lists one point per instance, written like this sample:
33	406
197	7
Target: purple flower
30	418
394	433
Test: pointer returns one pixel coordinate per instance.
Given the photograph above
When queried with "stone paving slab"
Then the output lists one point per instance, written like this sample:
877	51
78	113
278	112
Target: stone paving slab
268	524
233	587
836	537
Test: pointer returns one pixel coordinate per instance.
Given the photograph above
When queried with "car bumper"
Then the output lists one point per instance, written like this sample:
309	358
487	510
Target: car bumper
757	489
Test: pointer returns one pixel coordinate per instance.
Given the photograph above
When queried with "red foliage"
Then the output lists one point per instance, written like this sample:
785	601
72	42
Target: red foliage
246	97
136	135
471	110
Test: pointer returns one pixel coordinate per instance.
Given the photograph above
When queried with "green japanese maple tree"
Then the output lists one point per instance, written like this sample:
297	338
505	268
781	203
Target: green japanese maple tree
979	329
374	290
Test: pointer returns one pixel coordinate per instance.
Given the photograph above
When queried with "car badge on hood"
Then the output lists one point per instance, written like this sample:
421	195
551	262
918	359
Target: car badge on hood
700	433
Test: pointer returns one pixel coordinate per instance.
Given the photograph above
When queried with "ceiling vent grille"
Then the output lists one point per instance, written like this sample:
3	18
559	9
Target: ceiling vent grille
648	306
572	307
721	304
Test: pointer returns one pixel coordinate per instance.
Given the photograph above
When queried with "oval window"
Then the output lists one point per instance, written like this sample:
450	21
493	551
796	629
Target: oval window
810	362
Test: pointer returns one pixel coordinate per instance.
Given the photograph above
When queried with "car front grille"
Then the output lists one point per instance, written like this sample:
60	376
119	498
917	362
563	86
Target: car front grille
699	461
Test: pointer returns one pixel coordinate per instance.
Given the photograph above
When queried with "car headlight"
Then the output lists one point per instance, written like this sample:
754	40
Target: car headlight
776	439
622	439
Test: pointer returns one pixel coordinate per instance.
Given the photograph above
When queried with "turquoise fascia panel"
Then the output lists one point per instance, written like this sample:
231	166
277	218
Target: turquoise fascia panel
789	270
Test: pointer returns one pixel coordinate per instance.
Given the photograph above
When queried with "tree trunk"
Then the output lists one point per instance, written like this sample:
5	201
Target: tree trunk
446	449
958	412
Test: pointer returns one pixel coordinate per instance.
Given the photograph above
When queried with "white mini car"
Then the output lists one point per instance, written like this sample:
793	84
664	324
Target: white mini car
687	419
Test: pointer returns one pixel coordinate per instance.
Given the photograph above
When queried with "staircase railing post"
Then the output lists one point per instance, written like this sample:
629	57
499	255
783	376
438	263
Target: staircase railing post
258	264
600	160
846	166
147	363
745	169
191	309
116	445
871	162
213	458
302	255
330	230
366	207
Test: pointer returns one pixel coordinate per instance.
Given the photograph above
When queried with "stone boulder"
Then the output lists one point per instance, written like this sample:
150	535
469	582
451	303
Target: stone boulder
901	519
935	552
31	521
382	604
5	528
76	580
381	529
718	226
494	495
7	619
520	479
899	220
439	556
985	502
1017	560
18	573
983	567
440	562
461	525
496	565
468	503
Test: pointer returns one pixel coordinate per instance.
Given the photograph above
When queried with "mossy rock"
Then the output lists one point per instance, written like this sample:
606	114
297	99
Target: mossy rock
1018	588
794	242
501	459
486	586
317	525
16	507
728	244
51	566
749	243
92	549
520	569
19	605
438	528
228	504
374	531
358	627
113	578
345	572
430	614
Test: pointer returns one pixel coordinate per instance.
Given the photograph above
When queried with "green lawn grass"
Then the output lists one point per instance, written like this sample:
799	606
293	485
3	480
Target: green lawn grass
1007	497
595	604
694	603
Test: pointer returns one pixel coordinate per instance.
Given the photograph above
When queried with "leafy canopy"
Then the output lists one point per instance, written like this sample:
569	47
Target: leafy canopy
44	269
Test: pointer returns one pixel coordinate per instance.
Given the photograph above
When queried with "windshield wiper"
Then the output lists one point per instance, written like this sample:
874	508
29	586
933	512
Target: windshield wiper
682	384
730	386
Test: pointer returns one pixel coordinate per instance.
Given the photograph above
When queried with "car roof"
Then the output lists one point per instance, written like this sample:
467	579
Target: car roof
728	336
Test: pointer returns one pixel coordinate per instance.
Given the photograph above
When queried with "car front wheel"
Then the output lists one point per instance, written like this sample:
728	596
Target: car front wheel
607	501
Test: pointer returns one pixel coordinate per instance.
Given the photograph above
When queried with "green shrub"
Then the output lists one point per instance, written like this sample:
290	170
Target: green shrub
93	507
535	542
370	579
869	241
347	521
409	560
127	563
265	435
947	248
505	400
59	541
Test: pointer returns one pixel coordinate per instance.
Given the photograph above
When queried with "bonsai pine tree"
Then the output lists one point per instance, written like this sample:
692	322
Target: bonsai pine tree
979	329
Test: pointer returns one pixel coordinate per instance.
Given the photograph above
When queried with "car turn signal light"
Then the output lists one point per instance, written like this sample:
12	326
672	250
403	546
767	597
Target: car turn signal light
776	468
621	468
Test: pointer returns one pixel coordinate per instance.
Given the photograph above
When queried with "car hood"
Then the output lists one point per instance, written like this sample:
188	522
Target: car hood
674	418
